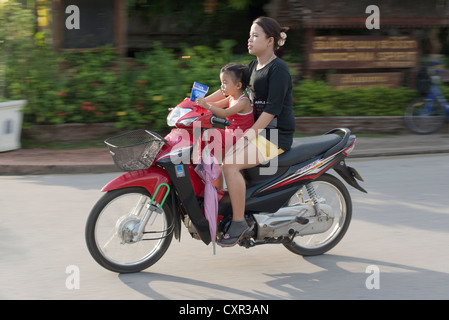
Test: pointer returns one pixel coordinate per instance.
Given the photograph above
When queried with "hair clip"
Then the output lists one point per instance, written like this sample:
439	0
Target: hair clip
281	41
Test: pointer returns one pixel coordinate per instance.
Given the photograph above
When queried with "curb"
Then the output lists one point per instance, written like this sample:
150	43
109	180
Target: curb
43	169
21	170
395	153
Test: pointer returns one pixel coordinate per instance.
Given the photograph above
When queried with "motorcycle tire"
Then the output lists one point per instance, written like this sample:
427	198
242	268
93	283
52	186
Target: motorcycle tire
312	245
116	201
422	121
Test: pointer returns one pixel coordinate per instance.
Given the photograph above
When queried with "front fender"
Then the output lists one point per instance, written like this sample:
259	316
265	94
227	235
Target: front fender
149	179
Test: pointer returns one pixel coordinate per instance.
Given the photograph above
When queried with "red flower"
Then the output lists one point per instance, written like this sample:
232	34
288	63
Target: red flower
86	106
62	94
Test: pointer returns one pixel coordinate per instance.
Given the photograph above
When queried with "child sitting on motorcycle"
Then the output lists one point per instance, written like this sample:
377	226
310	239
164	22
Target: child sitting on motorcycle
234	80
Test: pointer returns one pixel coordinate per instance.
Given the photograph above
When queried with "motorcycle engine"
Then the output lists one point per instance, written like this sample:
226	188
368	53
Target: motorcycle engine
191	228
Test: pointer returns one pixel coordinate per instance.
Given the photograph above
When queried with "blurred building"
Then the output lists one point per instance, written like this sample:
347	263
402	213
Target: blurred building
88	24
338	36
337	14
334	36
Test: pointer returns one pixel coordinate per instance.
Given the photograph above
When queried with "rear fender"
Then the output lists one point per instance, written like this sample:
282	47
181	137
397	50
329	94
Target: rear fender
349	175
149	179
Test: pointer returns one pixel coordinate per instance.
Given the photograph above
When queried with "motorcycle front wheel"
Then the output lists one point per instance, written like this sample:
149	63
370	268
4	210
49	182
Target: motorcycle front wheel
332	192
110	226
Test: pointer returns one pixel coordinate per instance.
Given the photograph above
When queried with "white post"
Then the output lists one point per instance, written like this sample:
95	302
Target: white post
11	117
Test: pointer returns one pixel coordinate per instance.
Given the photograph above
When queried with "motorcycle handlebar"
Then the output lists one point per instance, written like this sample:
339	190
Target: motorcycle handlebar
216	120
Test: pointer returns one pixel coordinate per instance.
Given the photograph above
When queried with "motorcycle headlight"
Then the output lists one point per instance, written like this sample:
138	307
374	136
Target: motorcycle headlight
188	122
176	114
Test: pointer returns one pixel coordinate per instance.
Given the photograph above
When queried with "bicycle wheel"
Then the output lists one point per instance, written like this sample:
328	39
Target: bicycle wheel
424	116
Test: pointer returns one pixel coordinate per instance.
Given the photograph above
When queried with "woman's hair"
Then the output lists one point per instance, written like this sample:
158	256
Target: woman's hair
272	28
239	72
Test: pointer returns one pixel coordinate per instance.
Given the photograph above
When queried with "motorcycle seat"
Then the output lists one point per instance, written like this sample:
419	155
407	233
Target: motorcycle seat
303	149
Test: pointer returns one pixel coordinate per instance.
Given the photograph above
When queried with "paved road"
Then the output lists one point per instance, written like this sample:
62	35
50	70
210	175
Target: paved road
397	245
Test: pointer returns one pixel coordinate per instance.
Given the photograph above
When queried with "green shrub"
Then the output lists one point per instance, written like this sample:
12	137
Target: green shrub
136	93
102	87
317	98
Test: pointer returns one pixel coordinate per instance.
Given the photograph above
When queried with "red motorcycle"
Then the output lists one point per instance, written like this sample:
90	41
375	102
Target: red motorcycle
298	204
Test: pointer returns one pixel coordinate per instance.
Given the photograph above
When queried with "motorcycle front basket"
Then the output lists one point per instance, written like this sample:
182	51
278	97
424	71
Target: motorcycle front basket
134	150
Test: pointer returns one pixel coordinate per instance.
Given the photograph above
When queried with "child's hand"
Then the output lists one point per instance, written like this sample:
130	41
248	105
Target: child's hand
201	102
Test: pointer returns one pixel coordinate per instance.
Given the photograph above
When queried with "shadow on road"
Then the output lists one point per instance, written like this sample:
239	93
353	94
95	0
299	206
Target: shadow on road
143	282
343	277
337	277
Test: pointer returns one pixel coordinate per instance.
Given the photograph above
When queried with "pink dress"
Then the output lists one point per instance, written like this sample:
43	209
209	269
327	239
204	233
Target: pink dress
240	122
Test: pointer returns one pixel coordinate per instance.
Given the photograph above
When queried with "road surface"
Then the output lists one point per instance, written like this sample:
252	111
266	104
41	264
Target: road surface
397	246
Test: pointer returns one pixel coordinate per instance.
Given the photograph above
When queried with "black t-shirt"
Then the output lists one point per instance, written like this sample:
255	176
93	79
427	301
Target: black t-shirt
270	90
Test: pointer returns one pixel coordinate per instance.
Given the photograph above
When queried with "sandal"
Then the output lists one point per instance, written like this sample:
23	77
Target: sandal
229	241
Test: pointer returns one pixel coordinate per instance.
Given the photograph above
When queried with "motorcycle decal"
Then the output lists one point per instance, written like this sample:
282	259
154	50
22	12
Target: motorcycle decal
180	171
311	171
177	154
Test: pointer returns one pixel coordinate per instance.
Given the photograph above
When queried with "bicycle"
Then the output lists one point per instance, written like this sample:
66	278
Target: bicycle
427	114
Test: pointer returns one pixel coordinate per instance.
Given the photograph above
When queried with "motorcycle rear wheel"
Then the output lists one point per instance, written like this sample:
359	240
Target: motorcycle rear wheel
107	227
334	193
